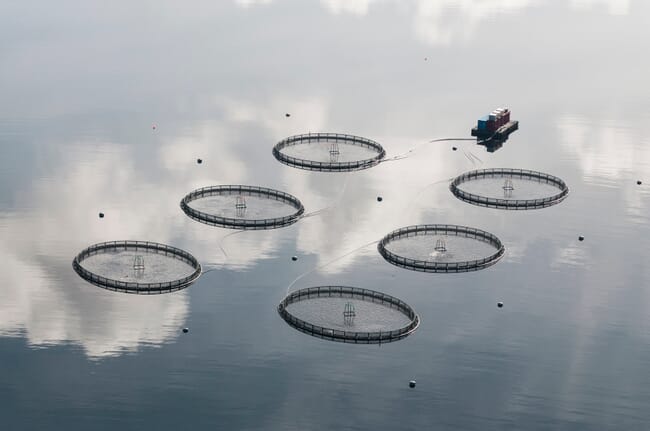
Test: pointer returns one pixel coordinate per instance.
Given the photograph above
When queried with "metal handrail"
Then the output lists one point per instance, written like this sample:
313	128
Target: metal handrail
328	166
509	203
360	337
239	223
137	287
448	267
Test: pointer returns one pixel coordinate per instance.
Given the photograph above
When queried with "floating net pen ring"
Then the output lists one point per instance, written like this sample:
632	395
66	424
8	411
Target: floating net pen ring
242	207
153	267
346	323
441	248
329	152
503	188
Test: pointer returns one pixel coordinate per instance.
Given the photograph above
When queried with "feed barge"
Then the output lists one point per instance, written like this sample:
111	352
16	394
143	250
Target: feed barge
496	126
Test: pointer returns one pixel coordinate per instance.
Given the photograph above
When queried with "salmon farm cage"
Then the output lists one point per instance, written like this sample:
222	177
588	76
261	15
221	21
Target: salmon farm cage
441	248
329	152
242	207
349	314
511	189
141	267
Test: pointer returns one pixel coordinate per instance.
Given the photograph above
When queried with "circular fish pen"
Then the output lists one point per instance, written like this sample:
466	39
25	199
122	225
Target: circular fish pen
349	314
441	248
329	152
516	189
242	207
137	267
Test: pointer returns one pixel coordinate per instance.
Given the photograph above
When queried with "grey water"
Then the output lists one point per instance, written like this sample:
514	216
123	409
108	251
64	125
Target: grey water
106	107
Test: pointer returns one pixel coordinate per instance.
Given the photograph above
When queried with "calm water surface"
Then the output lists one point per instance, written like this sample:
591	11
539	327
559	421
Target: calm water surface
83	84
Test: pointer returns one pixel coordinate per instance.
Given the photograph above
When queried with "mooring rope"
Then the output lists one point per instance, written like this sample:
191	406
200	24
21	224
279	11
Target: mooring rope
223	250
410	203
334	203
475	157
468	154
316	268
406	154
472	161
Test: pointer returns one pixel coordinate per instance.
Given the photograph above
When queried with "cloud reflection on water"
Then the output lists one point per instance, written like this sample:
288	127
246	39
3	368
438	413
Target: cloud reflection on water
44	298
60	211
139	189
440	22
47	302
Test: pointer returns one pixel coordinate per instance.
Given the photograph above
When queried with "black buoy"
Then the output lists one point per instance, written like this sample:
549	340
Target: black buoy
454	148
199	161
500	304
581	238
287	115
639	182
186	330
412	384
379	199
101	215
294	258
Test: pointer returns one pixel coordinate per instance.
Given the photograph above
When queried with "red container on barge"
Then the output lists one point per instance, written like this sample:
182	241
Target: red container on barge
496	125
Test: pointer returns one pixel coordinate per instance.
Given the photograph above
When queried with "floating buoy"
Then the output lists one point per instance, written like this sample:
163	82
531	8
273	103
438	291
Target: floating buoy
294	258
639	182
500	304
581	238
199	161
153	127
287	115
412	384
186	330
379	199
101	215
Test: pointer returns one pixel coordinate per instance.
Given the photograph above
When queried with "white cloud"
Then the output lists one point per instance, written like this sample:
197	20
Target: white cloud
614	7
311	111
355	7
357	219
43	298
248	3
47	303
606	150
441	22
